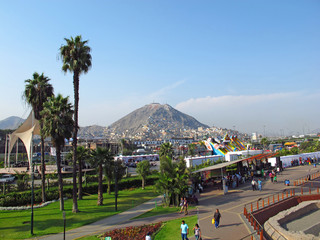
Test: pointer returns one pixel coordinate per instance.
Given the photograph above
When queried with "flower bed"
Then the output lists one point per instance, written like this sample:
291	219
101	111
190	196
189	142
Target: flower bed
133	233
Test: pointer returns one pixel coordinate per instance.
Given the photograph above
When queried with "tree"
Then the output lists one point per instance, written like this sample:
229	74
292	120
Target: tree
264	141
191	150
76	59
173	180
166	149
119	171
58	123
143	169
100	157
36	93
82	155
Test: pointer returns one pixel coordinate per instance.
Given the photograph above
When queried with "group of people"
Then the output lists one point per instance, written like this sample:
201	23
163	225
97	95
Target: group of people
184	206
234	180
256	185
273	176
184	229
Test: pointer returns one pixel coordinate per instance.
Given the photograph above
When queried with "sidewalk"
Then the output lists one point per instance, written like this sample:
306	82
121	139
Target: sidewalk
107	223
232	225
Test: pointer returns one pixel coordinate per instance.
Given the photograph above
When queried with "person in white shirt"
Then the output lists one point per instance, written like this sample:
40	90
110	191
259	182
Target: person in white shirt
148	237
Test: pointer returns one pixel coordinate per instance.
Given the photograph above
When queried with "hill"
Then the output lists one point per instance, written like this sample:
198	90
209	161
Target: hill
11	122
153	121
91	132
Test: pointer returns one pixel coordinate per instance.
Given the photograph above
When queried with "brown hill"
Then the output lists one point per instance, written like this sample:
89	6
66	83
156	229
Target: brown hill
153	121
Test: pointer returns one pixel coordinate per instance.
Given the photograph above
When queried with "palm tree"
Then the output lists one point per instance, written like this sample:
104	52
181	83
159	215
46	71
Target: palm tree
82	155
58	123
166	149
76	59
143	169
36	94
173	180
104	159
98	160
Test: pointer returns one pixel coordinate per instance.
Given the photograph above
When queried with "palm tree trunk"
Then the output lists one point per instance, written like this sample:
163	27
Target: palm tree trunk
43	169
75	140
80	180
60	182
100	189
109	186
143	182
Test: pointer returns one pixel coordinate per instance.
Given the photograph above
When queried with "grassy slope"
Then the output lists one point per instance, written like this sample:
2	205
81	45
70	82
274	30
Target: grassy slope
171	230
48	220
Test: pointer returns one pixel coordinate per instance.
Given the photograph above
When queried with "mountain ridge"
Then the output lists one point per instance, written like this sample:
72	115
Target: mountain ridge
12	122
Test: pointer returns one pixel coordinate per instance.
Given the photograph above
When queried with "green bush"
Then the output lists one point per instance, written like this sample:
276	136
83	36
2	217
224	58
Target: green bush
24	198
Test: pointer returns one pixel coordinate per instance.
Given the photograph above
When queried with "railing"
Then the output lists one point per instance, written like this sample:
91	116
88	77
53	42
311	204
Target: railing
251	236
272	199
303	180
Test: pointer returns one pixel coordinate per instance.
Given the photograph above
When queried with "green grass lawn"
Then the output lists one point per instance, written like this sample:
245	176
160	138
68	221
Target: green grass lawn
160	210
171	229
48	220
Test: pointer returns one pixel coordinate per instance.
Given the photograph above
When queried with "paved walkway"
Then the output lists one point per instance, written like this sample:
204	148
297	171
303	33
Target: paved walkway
232	225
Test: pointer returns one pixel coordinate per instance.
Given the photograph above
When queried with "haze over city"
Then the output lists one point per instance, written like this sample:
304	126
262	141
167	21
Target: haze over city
246	65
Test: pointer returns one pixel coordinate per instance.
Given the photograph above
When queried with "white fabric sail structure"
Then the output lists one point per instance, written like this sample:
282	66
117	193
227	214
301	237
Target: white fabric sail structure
25	132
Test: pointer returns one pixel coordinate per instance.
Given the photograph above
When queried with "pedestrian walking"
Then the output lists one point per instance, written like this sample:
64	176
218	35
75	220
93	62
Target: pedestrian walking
260	184
185	206
217	217
197	232
271	176
181	205
253	184
184	230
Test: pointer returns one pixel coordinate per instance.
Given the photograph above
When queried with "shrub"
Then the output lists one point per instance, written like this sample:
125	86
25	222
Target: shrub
24	198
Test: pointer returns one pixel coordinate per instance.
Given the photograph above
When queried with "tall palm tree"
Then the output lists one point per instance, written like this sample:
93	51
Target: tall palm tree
58	123
36	94
76	58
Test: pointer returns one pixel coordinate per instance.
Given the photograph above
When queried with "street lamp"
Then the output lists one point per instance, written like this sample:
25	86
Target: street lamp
116	185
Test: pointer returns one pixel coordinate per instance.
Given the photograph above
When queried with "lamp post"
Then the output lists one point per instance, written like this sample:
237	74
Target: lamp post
32	185
116	185
32	182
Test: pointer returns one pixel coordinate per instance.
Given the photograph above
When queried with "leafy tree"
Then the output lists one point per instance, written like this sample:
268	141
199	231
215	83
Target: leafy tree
143	169
36	93
191	150
264	141
58	123
294	151
166	149
203	147
76	59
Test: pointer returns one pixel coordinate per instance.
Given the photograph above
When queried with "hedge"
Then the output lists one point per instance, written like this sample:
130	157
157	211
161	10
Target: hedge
24	198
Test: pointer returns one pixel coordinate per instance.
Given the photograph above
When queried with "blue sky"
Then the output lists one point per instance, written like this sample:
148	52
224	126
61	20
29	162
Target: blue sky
249	64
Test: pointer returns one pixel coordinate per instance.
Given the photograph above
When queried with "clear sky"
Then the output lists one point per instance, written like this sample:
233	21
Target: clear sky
248	65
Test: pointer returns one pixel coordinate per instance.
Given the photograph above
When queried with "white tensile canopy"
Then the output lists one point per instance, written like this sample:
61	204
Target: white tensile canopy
25	132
